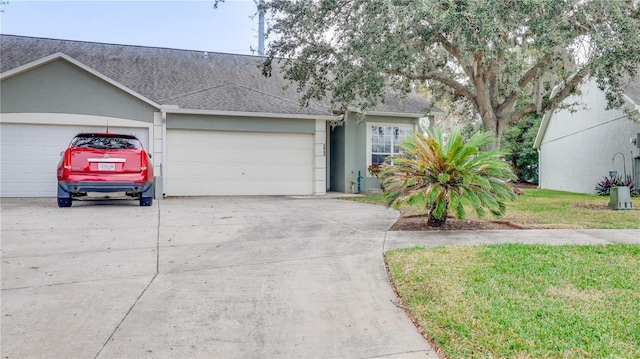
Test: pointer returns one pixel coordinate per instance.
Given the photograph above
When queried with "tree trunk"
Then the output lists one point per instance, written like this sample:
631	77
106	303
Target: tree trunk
490	121
436	222
496	126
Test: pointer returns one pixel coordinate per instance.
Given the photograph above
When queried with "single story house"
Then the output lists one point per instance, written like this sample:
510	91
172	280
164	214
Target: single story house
577	149
213	124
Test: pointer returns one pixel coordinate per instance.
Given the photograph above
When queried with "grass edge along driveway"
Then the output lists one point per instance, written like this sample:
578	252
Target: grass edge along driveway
523	301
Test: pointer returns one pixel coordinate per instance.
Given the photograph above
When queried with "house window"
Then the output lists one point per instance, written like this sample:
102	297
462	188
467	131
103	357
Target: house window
384	140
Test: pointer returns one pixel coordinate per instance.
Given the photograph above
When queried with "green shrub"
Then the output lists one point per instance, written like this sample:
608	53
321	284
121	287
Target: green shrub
447	174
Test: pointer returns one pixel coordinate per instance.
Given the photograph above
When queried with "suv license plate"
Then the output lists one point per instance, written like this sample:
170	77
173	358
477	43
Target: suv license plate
106	166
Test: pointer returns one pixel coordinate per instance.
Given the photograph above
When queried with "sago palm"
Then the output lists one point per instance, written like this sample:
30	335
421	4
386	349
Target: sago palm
448	175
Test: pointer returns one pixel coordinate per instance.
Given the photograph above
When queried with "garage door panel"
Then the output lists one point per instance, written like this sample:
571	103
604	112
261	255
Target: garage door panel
228	158
202	151
246	155
31	152
234	187
236	163
239	172
230	139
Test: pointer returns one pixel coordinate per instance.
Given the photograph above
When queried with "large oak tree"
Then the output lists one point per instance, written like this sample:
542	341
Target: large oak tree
504	58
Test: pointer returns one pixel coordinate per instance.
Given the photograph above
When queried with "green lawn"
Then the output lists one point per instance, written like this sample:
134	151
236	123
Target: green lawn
528	301
556	209
524	301
539	208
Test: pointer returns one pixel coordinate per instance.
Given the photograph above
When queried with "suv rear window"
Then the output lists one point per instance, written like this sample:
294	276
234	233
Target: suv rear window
105	141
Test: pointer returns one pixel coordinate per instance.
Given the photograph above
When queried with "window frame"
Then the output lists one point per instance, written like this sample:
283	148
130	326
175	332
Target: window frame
370	125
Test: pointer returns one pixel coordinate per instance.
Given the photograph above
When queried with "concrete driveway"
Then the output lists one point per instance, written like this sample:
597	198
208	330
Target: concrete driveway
222	277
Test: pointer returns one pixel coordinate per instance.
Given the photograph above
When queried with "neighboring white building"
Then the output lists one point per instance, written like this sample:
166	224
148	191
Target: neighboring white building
576	149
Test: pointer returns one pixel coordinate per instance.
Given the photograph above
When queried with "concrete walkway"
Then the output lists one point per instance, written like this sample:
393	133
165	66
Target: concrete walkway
529	236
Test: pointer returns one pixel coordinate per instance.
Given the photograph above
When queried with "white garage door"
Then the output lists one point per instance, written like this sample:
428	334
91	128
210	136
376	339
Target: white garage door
30	156
206	163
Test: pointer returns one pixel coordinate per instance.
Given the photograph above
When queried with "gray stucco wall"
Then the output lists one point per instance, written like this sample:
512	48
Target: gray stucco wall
576	151
61	87
244	124
349	151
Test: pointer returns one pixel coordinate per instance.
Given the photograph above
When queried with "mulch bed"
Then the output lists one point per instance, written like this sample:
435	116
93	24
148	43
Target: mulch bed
419	223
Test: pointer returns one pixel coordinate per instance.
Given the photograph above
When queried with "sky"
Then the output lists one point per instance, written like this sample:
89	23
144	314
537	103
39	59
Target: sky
188	25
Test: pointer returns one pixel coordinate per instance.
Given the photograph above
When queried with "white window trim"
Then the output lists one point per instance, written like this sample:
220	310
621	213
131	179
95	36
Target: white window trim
369	141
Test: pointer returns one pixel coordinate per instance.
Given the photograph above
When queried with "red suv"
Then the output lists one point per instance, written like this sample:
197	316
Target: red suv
105	162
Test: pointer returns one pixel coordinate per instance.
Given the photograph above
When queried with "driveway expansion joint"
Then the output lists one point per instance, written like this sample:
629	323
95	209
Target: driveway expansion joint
143	291
98	280
125	316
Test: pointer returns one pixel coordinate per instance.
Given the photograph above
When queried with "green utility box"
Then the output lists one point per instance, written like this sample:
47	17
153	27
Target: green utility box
620	198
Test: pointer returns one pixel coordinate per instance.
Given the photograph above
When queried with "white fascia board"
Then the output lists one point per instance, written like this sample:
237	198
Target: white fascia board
545	120
59	55
248	114
400	114
437	113
632	104
542	129
395	114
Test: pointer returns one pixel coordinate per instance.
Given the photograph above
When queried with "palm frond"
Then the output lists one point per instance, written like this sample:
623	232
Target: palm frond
452	173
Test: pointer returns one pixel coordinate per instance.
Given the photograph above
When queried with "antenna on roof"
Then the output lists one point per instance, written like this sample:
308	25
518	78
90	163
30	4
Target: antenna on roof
260	5
107	126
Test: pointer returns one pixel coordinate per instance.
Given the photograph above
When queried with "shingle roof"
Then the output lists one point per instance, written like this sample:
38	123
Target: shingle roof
189	79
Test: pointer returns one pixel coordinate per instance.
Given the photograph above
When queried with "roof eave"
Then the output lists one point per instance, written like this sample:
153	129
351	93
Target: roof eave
174	110
542	129
396	114
634	106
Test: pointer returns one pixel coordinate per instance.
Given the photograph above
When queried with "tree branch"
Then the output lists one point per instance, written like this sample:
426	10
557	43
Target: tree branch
453	50
566	90
553	102
458	88
492	80
512	98
535	70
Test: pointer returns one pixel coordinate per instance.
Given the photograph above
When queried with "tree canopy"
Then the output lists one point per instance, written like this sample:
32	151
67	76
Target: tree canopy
504	58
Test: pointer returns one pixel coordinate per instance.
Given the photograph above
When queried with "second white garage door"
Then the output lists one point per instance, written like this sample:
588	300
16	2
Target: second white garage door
206	163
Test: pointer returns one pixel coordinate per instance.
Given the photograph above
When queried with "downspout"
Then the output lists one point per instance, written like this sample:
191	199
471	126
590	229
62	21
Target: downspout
539	172
164	109
163	165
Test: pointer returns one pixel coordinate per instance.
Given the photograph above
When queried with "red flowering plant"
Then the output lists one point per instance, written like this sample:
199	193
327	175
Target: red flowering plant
374	170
